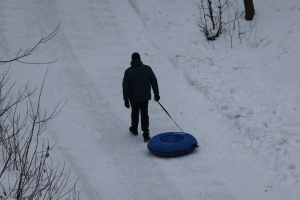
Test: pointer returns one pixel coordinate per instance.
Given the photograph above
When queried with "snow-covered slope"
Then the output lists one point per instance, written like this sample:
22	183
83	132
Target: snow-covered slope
255	84
241	104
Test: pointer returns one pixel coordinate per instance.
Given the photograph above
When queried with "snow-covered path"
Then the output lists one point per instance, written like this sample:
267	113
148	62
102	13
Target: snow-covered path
94	43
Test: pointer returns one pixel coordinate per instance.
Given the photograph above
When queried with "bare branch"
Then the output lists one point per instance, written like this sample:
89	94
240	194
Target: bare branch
262	40
30	50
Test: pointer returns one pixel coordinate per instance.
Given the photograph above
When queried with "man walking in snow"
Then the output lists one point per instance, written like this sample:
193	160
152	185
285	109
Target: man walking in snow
137	82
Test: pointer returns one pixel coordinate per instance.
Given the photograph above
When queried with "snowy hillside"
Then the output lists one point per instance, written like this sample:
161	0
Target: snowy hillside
255	84
241	103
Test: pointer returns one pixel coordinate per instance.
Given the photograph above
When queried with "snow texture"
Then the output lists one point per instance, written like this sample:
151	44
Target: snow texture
241	103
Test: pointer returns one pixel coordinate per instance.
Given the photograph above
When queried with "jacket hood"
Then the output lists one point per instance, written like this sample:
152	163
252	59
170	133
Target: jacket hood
136	63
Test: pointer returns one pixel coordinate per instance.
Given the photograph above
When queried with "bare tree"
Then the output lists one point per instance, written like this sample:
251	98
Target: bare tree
23	150
217	17
210	19
211	16
249	9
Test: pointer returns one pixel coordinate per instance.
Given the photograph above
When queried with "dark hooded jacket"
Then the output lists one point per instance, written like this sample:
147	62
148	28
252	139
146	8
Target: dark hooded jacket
137	82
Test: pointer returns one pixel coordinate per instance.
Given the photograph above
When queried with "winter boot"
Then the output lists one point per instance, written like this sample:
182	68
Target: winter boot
134	132
146	137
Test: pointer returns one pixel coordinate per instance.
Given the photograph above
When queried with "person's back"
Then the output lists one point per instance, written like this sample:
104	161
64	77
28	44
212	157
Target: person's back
137	82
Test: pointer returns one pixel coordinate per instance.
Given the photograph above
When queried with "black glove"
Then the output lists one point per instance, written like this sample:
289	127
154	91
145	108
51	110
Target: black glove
156	97
127	105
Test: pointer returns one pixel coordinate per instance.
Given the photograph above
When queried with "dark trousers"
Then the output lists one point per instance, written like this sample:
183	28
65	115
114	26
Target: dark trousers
136	107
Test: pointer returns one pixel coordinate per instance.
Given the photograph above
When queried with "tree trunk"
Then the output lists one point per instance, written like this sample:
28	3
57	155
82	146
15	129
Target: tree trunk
249	9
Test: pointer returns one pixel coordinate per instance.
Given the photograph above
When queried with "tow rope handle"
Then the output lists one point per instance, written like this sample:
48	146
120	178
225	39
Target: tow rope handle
169	116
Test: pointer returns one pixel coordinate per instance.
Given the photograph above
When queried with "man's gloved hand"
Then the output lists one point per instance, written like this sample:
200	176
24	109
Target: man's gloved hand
156	97
127	105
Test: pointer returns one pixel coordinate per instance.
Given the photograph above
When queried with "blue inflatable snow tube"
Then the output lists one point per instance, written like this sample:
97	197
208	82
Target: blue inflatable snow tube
172	144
